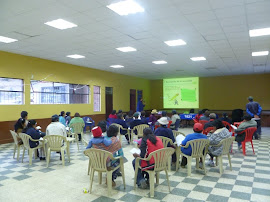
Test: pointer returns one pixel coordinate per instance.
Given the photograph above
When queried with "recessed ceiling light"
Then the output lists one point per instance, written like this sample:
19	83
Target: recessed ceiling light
197	58
126	49
260	53
178	42
117	66
126	7
259	32
76	56
160	62
6	39
60	24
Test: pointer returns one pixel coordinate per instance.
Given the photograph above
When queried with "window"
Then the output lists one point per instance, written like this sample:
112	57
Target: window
97	107
44	92
11	91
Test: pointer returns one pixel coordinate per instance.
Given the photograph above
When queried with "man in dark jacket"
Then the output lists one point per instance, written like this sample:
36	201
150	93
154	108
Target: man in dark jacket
135	122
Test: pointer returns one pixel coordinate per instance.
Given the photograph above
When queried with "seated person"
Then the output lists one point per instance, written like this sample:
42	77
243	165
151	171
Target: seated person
120	121
205	116
113	115
120	111
144	119
36	135
135	122
164	114
226	118
68	118
174	118
166	132
149	144
55	127
197	128
62	118
18	128
98	139
103	126
77	119
212	117
152	117
129	118
240	135
219	133
199	115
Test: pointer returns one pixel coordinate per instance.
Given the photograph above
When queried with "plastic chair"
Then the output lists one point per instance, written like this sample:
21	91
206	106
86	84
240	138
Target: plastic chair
177	149
88	119
195	121
17	146
120	127
203	122
140	129
55	143
25	138
77	129
199	149
160	157
249	134
175	133
207	130
98	159
169	124
226	144
166	141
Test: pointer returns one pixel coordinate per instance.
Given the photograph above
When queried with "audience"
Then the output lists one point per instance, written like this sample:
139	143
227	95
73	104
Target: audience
68	118
120	121
144	119
135	122
149	144
212	117
240	135
55	127
35	135
199	115
98	139
174	118
164	114
113	115
129	117
215	136
103	126
226	118
197	128
205	116
62	118
152	117
77	119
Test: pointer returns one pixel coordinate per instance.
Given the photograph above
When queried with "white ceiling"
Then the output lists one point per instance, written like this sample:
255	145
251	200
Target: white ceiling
215	29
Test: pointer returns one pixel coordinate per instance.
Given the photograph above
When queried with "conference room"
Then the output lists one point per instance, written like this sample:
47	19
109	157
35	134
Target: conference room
111	77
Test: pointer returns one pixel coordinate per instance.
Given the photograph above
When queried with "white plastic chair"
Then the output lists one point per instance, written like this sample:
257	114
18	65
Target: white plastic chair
139	129
77	129
17	146
120	127
166	141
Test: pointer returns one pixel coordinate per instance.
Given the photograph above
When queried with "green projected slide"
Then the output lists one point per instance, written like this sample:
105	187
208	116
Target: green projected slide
181	93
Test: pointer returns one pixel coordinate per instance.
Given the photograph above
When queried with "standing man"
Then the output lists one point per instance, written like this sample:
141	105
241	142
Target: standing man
140	105
254	109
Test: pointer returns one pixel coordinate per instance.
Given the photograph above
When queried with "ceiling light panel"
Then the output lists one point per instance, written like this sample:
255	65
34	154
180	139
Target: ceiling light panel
259	32
76	56
7	40
126	7
117	66
178	42
198	58
260	53
159	62
60	24
126	49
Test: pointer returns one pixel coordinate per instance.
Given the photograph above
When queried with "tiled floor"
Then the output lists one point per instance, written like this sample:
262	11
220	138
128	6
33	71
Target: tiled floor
248	181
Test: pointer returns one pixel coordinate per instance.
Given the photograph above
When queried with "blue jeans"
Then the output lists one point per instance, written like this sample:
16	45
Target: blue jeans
141	173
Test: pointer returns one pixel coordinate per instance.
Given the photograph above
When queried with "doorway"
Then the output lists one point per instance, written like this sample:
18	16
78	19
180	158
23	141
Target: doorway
133	100
109	100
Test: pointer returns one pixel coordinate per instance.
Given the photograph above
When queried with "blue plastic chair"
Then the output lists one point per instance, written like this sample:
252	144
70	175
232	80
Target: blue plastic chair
88	119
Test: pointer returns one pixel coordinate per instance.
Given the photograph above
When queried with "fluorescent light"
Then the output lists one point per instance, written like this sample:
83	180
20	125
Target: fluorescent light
75	56
178	42
260	53
60	24
126	7
197	58
6	39
259	32
116	66
126	49
160	62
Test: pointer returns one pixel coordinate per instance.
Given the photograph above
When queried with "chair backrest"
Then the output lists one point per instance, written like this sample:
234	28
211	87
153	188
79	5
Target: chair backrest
169	124
25	138
203	122
226	143
195	121
227	125
55	142
166	141
140	129
86	118
249	133
77	127
175	133
199	147
207	130
98	158
14	136
161	157
119	127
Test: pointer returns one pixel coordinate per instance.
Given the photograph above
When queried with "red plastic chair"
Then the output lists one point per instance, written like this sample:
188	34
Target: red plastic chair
170	122
249	134
203	122
237	124
207	130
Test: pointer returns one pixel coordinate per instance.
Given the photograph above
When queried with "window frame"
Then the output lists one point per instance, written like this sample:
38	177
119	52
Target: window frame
94	94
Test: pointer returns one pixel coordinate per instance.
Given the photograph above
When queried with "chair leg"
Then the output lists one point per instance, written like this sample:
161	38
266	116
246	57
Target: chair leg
63	156
189	161
197	163
244	148
169	163
203	161
157	177
18	152
91	180
123	174
89	166
217	160
229	157
220	164
77	140
135	175
23	153
48	156
252	147
177	158
109	182
30	156
100	177
15	146
168	181
152	183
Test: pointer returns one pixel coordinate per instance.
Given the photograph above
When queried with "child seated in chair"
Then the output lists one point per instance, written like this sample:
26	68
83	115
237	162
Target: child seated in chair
98	139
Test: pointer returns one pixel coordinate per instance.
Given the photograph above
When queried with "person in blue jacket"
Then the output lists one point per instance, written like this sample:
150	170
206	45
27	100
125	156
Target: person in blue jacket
140	105
254	109
62	118
98	138
120	120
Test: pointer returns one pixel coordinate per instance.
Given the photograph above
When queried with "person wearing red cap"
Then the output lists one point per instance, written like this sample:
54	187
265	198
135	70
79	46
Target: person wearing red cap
98	138
197	128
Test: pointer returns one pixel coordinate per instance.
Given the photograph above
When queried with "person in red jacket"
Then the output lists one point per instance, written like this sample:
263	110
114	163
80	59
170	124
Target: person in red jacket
149	144
113	115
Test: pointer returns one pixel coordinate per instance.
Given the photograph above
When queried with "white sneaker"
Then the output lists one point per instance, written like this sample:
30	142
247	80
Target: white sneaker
200	165
211	163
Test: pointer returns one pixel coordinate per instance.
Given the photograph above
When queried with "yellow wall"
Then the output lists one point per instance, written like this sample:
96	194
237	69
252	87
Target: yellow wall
23	67
224	92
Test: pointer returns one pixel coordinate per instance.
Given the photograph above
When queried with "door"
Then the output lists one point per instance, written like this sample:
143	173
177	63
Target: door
133	100
109	100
